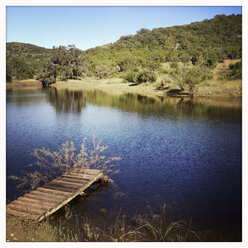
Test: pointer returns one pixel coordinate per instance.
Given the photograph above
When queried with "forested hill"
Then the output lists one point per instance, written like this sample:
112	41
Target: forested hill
220	37
27	51
24	60
200	44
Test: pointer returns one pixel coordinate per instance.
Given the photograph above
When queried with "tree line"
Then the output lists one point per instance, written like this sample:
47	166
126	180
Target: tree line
138	58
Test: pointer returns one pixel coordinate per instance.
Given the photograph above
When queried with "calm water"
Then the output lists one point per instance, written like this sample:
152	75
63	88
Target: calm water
185	154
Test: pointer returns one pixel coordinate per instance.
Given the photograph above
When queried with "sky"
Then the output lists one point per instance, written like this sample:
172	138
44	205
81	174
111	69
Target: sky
88	27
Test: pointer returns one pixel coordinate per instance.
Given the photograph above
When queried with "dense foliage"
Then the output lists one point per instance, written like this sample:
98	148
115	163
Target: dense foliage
200	43
139	58
65	63
24	60
235	70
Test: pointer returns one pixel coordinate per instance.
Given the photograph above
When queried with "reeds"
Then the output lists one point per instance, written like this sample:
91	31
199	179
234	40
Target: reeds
50	164
147	229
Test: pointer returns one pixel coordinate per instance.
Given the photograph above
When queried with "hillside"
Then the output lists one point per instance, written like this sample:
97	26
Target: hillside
24	60
184	54
27	52
207	41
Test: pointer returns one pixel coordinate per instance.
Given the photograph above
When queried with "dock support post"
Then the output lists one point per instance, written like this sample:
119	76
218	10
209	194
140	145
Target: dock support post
104	180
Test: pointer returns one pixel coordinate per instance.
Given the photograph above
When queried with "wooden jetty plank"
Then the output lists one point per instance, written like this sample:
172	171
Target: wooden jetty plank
44	196
30	205
23	214
40	203
51	200
60	188
80	175
47	195
23	209
69	183
86	171
36	201
53	191
64	185
73	179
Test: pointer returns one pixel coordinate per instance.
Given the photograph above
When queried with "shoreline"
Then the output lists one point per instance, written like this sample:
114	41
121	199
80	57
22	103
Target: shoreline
115	86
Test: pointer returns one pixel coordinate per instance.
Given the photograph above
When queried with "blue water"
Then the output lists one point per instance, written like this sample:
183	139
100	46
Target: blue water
186	155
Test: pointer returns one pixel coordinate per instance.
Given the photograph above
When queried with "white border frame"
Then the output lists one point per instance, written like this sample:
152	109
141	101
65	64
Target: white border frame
4	3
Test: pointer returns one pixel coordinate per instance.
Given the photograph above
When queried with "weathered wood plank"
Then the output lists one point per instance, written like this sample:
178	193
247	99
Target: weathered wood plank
53	191
64	185
86	171
69	183
30	205
23	214
45	199
46	195
36	201
73	179
56	187
26	210
80	175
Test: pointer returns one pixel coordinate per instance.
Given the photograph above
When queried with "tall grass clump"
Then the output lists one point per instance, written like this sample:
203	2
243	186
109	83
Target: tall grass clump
144	228
50	164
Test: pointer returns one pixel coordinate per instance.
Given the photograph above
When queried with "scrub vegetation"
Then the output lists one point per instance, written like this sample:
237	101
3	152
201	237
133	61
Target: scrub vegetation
184	55
51	164
144	228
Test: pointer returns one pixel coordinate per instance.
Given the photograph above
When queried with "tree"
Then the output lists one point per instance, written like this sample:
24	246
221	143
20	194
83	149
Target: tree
235	70
18	68
65	63
48	74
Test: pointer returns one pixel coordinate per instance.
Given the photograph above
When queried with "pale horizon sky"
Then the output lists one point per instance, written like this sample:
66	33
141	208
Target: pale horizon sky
88	27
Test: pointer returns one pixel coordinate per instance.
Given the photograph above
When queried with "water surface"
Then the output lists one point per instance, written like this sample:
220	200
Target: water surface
186	154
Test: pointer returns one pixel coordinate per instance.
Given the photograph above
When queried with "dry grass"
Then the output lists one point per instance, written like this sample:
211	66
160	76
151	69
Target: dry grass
29	83
114	86
50	164
152	228
221	88
21	230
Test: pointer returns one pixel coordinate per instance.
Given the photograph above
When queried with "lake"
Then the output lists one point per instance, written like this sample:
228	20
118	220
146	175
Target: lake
184	153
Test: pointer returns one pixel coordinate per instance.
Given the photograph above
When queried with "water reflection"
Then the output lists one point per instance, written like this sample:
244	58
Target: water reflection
67	101
74	101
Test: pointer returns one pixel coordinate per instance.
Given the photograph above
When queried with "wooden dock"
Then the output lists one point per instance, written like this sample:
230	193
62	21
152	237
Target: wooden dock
42	202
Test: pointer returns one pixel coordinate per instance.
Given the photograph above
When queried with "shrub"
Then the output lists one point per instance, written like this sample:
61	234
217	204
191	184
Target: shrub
235	70
146	76
174	65
131	77
143	77
152	77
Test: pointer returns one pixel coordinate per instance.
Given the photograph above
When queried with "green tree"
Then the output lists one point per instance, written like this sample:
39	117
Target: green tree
235	70
48	74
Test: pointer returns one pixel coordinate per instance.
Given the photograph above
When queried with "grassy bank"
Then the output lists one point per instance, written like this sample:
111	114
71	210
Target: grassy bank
146	229
214	87
217	87
29	83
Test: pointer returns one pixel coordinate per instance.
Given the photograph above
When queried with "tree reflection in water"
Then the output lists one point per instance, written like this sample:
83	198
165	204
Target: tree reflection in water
74	101
67	101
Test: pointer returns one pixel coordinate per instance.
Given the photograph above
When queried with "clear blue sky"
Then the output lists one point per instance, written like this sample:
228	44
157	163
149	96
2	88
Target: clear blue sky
88	27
